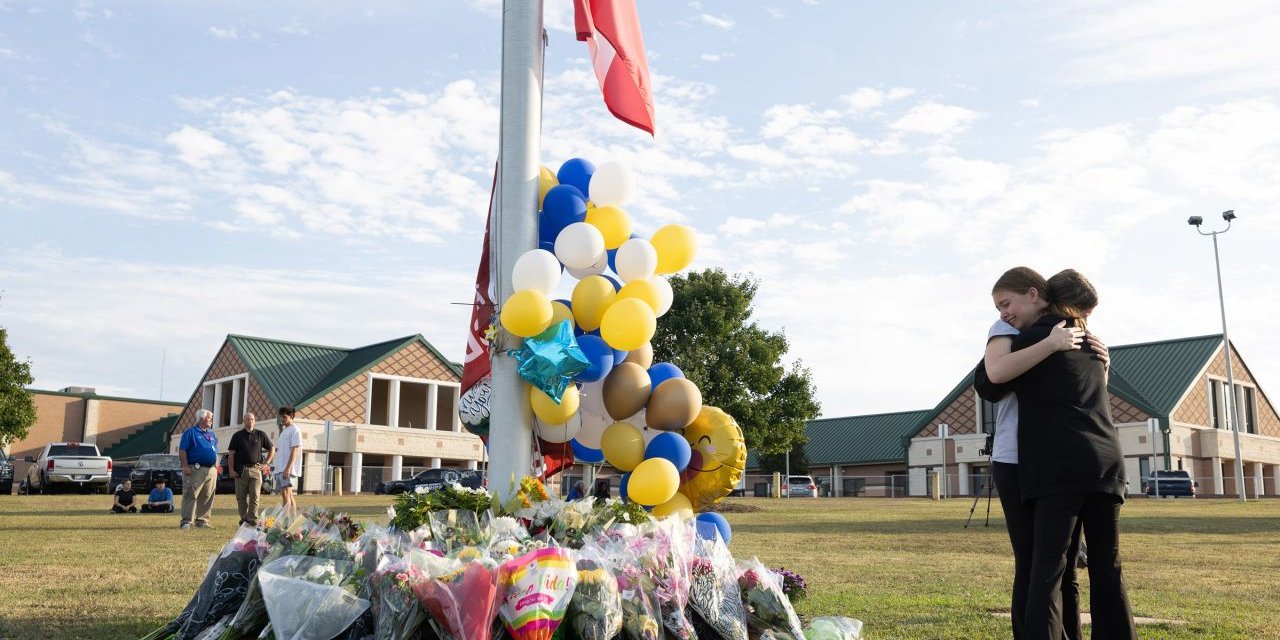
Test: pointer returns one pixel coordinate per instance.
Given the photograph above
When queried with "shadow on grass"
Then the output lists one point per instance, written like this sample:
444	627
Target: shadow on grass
1128	524
75	628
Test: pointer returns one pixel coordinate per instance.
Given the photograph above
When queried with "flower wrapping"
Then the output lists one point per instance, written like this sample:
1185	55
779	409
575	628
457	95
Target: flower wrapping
833	628
713	589
667	561
595	612
534	591
223	589
768	609
396	612
454	528
310	598
460	595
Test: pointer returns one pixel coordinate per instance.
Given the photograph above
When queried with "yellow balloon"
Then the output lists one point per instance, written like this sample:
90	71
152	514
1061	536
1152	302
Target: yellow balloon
623	445
676	245
526	313
628	324
592	297
546	180
677	505
641	290
548	411
653	482
719	457
614	224
559	312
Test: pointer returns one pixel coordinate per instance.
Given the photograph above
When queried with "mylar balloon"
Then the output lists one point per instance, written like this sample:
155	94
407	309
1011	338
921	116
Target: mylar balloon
675	245
612	184
536	269
548	411
614	224
577	172
719	457
579	245
628	324
653	482
636	260
626	390
592	298
550	360
526	313
674	404
623	446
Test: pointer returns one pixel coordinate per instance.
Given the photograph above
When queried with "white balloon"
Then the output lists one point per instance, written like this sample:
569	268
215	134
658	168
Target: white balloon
636	260
578	245
537	269
598	267
558	433
593	427
612	184
665	295
591	399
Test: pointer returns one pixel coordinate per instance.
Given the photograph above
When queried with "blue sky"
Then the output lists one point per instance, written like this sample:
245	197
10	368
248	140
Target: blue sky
174	172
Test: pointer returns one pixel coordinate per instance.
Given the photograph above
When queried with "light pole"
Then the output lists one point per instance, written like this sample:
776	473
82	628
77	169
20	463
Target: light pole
1232	422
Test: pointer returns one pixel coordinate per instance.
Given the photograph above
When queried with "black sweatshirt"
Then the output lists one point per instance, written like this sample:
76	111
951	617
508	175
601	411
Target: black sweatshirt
1066	442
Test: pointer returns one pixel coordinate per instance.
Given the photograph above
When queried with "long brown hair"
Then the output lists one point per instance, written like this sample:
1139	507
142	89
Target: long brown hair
1071	296
1020	280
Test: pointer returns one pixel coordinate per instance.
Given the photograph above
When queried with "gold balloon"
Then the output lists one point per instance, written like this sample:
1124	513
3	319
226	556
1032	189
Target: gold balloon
653	482
614	224
676	247
642	356
622	445
548	411
674	404
719	457
546	180
592	297
560	312
526	313
678	505
628	324
626	390
643	290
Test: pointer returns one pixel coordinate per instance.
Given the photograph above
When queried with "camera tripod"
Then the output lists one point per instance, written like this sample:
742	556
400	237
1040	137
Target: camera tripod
987	484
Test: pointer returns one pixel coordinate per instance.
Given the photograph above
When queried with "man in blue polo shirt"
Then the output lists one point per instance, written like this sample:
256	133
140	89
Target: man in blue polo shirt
198	451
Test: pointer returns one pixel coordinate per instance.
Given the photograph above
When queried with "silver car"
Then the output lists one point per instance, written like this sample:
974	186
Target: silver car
801	486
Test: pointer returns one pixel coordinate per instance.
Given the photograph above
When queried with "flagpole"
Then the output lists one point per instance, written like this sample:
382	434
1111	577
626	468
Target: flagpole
515	230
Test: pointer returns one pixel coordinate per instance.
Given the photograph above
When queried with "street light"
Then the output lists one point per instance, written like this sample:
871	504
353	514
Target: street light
1232	422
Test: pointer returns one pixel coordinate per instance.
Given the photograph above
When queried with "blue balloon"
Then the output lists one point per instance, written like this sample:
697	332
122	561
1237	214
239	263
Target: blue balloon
563	206
576	172
599	354
619	356
613	257
622	486
617	286
661	372
584	454
671	446
710	524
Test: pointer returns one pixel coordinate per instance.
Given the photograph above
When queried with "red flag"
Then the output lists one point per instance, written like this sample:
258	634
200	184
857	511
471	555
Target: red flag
612	31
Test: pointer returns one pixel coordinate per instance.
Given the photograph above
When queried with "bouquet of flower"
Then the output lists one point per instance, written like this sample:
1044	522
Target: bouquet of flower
221	592
768	608
453	528
640	609
713	589
412	509
667	562
595	612
793	584
833	628
308	598
348	529
460	595
572	521
367	552
534	591
396	612
509	539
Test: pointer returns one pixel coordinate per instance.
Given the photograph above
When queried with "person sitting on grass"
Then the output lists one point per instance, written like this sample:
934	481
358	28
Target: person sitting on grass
160	500
124	499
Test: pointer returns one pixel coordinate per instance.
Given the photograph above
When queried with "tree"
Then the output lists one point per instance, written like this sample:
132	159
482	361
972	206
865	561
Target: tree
17	410
709	334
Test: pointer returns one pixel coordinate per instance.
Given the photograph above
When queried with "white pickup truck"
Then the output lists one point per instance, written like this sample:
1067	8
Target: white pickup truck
67	465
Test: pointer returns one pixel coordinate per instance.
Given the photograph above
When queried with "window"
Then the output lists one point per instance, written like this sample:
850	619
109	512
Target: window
227	398
988	410
1215	404
1248	410
1144	470
412	403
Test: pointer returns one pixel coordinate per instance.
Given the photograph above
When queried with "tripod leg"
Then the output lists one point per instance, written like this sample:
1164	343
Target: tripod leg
990	486
974	506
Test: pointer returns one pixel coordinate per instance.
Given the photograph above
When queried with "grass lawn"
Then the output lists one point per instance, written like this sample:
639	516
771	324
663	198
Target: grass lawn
906	568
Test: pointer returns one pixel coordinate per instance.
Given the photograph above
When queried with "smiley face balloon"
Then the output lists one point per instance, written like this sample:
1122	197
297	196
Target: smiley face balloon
719	457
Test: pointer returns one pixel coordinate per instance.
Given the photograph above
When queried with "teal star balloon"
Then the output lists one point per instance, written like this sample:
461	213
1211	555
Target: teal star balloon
551	359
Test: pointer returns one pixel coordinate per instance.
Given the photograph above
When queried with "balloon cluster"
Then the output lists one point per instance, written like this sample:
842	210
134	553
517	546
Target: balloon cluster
622	407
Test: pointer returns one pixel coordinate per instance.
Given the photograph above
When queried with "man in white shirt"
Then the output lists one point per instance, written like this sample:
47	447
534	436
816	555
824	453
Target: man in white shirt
289	461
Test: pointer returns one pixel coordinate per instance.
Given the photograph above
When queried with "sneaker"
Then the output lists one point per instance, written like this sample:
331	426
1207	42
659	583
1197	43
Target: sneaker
203	525
185	525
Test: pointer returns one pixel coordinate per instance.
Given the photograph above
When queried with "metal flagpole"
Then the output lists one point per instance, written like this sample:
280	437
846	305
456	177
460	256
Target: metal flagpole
515	230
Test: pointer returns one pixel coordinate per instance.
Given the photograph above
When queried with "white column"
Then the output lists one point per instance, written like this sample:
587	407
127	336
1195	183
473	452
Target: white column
217	405
1257	479
455	417
473	464
357	468
435	463
963	481
1275	479
237	417
312	471
837	481
397	467
393	397
1216	463
432	403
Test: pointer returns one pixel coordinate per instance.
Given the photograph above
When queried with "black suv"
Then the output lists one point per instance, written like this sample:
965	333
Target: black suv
432	479
227	484
1171	483
6	475
155	466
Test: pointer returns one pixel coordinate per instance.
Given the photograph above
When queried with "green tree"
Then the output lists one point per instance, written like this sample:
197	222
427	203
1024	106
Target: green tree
17	409
709	334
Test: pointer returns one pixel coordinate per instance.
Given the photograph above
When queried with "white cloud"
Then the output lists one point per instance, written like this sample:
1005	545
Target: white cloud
719	22
295	29
223	34
867	98
1029	103
715	57
196	147
934	119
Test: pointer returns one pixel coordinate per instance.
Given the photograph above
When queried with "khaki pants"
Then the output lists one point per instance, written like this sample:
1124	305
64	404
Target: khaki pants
197	494
248	488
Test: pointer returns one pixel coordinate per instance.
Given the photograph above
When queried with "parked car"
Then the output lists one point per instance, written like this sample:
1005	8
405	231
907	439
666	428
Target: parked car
227	484
801	486
68	465
154	466
6	475
1170	483
432	479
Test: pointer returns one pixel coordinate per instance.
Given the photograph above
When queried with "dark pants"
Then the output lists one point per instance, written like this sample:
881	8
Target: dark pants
1056	519
115	508
1020	519
163	508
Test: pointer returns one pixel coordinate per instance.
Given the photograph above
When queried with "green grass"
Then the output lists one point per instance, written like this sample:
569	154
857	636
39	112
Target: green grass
906	568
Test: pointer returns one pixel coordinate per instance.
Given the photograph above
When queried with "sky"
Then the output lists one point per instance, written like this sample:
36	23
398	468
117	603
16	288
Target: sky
319	172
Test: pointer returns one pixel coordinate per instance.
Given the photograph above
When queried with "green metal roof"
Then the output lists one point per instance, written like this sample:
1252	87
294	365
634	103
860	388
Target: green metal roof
1160	372
860	439
153	438
293	373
